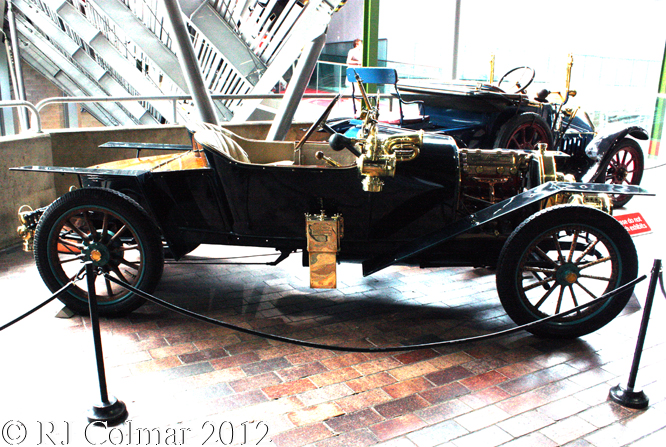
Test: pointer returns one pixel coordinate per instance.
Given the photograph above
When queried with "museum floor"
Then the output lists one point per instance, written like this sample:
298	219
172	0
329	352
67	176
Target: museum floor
192	382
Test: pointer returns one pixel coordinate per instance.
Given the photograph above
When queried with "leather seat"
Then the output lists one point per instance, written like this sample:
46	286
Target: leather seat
220	140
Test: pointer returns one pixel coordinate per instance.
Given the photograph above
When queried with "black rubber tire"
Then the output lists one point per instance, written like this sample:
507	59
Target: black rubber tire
135	252
625	166
524	131
528	295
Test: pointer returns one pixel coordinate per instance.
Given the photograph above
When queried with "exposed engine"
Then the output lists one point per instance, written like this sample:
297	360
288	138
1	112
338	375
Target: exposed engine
493	175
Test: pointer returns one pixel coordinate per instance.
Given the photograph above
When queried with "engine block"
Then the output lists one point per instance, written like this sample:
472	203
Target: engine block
492	175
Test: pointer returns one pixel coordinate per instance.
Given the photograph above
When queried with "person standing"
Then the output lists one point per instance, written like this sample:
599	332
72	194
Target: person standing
355	56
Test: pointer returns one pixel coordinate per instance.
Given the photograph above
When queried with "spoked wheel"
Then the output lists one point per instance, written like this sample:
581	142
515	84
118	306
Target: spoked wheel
109	229
524	131
560	258
625	167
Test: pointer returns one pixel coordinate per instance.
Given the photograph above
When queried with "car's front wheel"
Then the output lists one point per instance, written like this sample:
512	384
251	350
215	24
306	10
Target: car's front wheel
624	167
560	258
112	231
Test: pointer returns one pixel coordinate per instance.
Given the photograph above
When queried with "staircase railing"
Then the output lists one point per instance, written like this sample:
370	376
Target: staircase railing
44	7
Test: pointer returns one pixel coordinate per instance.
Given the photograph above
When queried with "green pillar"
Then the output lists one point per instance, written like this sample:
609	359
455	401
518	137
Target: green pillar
370	34
659	109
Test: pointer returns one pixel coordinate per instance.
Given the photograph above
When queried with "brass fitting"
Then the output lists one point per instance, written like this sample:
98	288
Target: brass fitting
323	235
379	158
27	228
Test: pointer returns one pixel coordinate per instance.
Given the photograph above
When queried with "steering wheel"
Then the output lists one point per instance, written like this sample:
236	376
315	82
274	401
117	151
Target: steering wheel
529	71
320	123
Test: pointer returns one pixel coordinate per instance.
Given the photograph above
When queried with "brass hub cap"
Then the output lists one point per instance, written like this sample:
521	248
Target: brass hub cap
567	274
97	253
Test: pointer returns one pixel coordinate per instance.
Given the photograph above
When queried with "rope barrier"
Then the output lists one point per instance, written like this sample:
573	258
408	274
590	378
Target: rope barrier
655	167
39	306
307	344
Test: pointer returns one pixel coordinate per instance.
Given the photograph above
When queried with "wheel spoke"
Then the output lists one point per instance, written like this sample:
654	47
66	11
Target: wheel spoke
586	251
585	289
118	273
573	246
591	263
70	247
539	283
624	158
599	278
559	300
545	256
109	289
78	231
560	256
117	235
538	269
125	248
91	227
573	296
105	227
123	261
545	297
75	258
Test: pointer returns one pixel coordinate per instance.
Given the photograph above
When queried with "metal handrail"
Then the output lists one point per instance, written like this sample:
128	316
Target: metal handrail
36	109
29	105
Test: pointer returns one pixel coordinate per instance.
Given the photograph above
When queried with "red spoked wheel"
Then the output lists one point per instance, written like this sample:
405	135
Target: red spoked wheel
524	131
624	167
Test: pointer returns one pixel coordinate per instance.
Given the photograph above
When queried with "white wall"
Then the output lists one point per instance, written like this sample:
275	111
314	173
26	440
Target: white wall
617	46
347	24
517	31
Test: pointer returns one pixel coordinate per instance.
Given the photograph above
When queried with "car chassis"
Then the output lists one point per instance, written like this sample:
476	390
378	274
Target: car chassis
383	198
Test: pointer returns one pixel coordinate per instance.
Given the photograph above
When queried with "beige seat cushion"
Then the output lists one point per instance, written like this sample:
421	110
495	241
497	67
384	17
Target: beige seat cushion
218	139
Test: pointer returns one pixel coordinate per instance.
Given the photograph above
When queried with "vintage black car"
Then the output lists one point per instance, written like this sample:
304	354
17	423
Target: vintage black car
502	115
383	198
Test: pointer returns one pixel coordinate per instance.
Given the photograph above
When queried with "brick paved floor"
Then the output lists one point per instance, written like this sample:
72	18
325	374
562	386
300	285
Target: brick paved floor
179	377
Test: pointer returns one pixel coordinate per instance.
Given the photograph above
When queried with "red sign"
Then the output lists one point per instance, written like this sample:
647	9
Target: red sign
634	223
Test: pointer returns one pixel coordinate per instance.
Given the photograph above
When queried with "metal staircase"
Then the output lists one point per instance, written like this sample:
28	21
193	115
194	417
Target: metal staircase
124	47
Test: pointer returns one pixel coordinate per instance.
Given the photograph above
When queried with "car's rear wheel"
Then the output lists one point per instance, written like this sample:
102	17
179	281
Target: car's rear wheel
524	131
109	229
624	167
560	258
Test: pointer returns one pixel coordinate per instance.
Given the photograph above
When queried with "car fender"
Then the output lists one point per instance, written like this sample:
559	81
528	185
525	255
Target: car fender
506	207
600	148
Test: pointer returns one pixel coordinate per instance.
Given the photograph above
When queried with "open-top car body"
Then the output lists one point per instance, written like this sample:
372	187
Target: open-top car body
503	115
382	198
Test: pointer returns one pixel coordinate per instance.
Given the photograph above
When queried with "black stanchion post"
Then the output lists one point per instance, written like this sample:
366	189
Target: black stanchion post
627	396
110	410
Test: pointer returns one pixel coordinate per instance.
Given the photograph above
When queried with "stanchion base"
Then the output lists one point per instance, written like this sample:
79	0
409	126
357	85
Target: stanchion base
113	413
629	398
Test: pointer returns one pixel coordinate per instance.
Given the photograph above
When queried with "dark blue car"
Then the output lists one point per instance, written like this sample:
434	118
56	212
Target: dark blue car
502	115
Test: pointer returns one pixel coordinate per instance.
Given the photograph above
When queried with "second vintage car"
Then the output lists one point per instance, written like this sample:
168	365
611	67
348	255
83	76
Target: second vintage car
503	115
